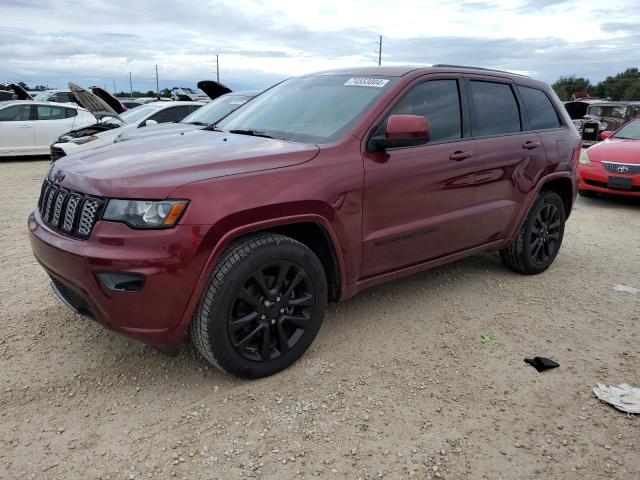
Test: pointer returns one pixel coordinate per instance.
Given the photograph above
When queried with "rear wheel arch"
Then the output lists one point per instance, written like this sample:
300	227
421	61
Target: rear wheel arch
564	188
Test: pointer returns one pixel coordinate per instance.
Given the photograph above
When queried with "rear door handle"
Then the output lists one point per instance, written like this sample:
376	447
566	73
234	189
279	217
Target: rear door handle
460	155
25	126
531	145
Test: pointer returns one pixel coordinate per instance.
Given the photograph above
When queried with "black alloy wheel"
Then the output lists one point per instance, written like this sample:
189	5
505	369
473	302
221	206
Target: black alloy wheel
271	311
263	306
544	240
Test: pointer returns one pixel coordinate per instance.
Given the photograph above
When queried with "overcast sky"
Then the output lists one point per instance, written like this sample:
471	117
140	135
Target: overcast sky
263	41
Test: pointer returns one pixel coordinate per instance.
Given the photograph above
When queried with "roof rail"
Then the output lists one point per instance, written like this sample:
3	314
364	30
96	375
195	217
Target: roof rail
445	65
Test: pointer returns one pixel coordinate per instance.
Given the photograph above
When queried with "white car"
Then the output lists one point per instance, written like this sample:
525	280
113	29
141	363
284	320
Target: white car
59	96
109	127
27	127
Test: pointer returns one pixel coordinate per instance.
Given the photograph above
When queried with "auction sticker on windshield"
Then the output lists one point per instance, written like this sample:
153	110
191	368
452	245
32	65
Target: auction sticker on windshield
366	82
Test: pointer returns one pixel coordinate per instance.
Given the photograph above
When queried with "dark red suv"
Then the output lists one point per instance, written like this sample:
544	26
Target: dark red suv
323	185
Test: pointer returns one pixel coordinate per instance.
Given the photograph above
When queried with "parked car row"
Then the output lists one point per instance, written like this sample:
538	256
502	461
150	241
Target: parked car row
76	117
236	234
593	116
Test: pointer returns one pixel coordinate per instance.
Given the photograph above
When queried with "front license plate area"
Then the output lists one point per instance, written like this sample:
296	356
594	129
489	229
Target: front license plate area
620	183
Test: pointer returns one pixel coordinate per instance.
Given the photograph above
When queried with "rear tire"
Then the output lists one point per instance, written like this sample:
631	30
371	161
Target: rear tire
539	240
587	193
262	308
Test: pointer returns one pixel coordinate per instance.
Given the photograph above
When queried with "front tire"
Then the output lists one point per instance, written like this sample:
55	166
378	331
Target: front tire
262	308
536	246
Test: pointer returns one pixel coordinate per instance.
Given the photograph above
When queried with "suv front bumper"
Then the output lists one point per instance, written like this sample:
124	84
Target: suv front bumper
170	262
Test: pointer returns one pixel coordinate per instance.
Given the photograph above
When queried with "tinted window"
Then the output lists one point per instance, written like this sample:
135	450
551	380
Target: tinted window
539	109
51	113
16	113
496	109
437	100
171	114
70	112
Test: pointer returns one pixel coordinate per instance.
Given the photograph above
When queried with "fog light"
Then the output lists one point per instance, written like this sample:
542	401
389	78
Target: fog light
122	281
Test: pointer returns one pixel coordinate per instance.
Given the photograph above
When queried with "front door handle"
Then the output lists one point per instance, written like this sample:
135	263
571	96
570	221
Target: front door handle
25	126
530	145
460	155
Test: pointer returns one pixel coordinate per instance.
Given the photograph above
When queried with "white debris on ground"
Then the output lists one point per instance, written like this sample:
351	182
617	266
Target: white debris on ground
626	289
624	397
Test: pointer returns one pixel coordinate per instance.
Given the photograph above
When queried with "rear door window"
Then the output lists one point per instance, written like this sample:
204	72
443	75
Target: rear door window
439	102
16	113
46	112
540	111
495	109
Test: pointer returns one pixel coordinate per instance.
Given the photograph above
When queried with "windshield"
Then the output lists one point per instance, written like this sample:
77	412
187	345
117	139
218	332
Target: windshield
308	109
138	113
42	96
612	112
630	131
216	109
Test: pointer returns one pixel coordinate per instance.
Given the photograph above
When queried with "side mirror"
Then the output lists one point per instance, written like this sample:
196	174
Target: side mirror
404	131
149	123
606	134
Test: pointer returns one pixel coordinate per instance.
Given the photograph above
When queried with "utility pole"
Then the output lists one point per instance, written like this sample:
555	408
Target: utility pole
157	82
380	51
114	86
130	86
217	69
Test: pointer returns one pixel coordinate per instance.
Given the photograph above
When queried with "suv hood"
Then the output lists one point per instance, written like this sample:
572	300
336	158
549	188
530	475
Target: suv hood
155	130
98	107
152	170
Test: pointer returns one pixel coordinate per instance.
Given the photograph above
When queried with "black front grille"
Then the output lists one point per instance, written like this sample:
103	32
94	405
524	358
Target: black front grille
622	168
72	212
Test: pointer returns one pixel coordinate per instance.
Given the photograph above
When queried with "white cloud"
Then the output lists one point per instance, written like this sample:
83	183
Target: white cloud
260	42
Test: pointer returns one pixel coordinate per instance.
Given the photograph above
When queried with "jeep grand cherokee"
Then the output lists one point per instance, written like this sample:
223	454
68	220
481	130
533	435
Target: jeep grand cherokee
324	185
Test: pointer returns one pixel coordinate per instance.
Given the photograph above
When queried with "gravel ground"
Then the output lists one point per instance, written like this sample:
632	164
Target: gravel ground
398	383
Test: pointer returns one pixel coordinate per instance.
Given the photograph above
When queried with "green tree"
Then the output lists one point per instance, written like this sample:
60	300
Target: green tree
622	86
566	86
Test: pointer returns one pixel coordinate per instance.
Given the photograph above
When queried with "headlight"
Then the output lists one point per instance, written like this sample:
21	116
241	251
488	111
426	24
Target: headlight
584	157
145	213
83	140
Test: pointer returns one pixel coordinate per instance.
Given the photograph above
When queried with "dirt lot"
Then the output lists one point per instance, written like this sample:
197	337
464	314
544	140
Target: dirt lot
398	383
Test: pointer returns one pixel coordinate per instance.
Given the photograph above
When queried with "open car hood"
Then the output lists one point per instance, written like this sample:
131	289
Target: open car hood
213	89
109	99
17	90
98	107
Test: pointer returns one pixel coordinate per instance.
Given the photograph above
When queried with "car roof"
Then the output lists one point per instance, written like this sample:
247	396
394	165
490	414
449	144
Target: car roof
400	71
245	93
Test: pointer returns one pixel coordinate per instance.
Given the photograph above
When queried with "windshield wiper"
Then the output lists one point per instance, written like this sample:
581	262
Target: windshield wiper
202	124
253	133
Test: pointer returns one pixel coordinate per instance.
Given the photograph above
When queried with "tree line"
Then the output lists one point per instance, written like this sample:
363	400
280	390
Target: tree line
622	86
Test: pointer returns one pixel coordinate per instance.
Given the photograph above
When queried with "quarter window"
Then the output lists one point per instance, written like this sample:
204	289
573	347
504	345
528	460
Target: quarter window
439	102
540	111
495	109
51	113
16	113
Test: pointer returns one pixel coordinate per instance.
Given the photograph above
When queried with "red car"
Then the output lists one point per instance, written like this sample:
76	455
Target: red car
612	166
237	235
